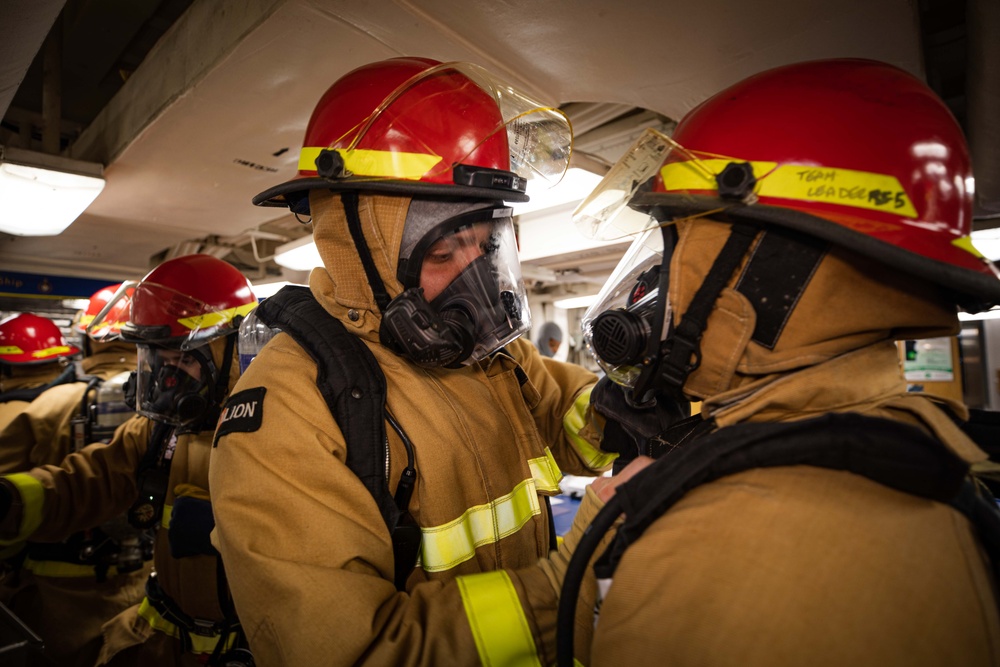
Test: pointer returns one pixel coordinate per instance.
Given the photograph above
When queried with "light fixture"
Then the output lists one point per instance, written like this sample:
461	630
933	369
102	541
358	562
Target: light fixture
576	302
992	314
298	255
41	195
584	173
987	241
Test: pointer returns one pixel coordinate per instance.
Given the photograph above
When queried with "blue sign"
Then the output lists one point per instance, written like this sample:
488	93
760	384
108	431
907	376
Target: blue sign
49	287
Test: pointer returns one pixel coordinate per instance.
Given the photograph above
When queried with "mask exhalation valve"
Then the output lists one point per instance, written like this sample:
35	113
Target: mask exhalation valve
620	337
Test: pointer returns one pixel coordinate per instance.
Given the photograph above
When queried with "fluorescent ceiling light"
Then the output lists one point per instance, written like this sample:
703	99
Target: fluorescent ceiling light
576	302
992	314
41	195
987	241
298	255
576	184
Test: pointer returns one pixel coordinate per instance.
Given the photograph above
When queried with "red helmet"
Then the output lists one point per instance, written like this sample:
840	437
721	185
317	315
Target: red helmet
110	321
414	125
31	339
856	152
188	301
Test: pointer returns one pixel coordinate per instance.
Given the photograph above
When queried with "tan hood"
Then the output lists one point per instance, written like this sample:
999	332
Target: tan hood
849	303
340	285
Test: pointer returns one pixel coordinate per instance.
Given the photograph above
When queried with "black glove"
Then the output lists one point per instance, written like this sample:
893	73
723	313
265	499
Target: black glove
191	524
630	427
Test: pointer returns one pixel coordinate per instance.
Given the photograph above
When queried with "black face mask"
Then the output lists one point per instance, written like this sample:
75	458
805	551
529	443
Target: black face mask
444	332
164	392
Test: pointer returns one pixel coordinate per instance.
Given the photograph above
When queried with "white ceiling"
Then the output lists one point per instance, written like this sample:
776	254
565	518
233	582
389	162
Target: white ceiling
217	110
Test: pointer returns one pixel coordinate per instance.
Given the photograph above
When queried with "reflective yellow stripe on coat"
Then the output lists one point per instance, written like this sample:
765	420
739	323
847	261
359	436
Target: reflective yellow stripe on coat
32	499
443	547
54	568
498	623
573	423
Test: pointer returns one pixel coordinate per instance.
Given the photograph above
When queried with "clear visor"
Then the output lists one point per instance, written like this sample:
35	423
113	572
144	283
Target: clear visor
172	386
475	268
539	137
619	326
605	213
106	325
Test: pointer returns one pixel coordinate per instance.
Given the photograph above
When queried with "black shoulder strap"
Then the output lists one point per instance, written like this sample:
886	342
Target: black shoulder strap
896	455
350	380
67	376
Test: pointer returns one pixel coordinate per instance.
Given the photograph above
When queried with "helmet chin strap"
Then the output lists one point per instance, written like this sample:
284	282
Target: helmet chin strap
350	201
681	355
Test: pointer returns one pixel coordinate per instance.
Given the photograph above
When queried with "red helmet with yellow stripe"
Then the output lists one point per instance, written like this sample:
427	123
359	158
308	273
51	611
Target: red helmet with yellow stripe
416	126
111	320
186	302
32	339
896	186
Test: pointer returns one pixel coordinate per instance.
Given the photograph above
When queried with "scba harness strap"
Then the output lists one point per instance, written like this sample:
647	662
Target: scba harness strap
896	455
353	386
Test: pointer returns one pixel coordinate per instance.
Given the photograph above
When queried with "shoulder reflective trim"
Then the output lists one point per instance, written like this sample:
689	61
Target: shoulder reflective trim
444	547
53	568
165	519
545	472
199	643
384	164
845	187
32	503
573	423
216	318
497	619
11	349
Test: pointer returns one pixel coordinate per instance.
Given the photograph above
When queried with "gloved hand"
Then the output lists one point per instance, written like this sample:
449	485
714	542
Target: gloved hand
628	427
191	524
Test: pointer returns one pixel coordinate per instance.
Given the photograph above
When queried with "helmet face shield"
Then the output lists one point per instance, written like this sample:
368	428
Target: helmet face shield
414	125
464	295
538	138
173	386
624	329
176	318
896	188
105	325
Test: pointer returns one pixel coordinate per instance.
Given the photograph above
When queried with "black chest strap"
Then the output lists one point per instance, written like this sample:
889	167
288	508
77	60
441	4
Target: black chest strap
350	380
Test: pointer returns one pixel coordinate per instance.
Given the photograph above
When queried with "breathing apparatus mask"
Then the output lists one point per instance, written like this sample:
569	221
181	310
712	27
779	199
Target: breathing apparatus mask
172	386
627	326
463	295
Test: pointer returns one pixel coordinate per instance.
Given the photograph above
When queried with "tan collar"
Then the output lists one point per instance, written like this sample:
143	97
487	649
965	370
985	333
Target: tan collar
867	381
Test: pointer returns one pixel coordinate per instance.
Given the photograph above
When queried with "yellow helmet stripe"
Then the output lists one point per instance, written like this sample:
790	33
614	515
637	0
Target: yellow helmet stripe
215	318
11	349
845	187
49	351
383	164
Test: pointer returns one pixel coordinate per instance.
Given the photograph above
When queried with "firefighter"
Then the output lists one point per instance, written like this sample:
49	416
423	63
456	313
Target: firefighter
66	591
34	355
405	167
797	224
183	317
